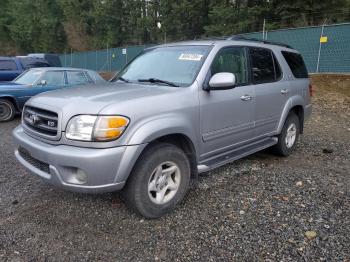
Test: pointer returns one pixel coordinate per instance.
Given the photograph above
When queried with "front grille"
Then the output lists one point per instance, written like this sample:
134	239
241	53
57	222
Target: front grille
41	121
34	162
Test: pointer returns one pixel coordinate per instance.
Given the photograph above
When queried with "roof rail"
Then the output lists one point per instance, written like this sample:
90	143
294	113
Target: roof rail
243	38
212	38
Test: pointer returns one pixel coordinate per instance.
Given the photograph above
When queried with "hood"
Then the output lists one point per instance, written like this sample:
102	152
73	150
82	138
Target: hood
92	99
9	84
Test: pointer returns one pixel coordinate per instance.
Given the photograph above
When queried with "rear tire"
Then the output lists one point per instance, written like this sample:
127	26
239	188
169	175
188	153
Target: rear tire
159	180
7	110
288	138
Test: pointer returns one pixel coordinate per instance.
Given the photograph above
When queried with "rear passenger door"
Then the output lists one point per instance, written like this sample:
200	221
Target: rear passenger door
271	92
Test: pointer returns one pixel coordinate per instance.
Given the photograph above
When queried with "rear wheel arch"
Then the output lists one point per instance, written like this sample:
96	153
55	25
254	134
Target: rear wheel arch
298	110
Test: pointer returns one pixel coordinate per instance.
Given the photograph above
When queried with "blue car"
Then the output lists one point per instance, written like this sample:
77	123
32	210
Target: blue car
11	67
14	94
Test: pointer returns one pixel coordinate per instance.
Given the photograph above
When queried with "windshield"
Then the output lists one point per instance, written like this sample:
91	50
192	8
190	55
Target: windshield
178	65
28	77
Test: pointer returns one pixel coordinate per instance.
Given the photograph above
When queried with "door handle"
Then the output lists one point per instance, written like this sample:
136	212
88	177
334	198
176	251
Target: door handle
246	98
284	91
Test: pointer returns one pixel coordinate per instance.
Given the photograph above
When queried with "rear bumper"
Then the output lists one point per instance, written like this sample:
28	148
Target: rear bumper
105	170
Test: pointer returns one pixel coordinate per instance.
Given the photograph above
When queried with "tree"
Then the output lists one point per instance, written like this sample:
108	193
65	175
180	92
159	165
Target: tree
39	30
58	25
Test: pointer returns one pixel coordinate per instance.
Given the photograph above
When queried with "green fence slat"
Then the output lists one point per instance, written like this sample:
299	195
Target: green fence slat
335	54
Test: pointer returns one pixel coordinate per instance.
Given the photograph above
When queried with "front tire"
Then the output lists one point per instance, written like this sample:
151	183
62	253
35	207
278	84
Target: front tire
288	138
7	110
159	180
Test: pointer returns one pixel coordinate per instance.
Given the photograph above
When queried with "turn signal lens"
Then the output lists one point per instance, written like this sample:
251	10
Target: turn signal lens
109	128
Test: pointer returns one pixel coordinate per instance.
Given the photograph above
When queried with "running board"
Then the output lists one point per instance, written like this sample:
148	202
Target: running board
227	157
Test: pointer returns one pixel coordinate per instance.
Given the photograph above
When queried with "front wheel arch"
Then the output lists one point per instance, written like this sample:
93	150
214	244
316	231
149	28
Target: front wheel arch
9	110
13	101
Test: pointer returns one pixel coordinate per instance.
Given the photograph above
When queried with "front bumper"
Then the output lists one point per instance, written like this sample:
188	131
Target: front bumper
106	169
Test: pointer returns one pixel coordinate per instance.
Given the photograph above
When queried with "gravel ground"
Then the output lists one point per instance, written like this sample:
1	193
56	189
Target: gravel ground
262	207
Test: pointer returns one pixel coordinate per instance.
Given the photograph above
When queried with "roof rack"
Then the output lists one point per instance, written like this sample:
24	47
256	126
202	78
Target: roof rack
243	38
208	38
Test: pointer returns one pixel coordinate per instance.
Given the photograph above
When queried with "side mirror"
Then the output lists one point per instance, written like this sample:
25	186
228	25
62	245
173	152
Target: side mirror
222	81
43	82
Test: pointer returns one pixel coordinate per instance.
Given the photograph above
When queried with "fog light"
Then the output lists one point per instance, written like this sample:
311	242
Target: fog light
80	176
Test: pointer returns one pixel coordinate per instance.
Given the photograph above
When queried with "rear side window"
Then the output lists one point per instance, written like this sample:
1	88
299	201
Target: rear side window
31	62
7	65
265	67
76	78
296	64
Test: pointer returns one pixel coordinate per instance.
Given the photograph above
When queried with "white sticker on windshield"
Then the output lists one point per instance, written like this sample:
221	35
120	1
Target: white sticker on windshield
190	57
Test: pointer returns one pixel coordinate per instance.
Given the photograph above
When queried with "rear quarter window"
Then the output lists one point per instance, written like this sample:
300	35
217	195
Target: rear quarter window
7	65
296	64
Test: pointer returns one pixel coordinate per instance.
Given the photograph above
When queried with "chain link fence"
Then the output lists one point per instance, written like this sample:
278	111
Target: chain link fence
332	55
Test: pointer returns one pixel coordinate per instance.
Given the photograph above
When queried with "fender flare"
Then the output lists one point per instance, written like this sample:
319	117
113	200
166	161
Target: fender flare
145	133
291	102
155	128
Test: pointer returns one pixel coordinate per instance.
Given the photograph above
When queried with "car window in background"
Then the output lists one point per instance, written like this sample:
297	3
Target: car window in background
262	62
28	77
96	77
177	64
53	78
76	78
296	64
232	60
31	62
7	65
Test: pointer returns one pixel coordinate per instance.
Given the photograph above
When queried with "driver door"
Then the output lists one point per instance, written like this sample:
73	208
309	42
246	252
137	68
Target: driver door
227	116
50	80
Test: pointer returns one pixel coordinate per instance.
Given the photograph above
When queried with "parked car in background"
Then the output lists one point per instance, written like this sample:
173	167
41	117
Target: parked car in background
11	67
52	59
14	94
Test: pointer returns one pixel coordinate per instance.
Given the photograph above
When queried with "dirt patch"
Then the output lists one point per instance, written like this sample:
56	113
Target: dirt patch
107	75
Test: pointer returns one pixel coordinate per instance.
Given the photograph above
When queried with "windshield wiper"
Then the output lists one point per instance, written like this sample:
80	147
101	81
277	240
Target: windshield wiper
123	79
158	81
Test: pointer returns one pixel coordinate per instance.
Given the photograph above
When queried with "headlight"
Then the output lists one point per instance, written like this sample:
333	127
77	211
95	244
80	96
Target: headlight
96	128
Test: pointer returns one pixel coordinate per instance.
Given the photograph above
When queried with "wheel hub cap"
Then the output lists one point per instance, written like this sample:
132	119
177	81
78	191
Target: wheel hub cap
291	135
4	111
164	183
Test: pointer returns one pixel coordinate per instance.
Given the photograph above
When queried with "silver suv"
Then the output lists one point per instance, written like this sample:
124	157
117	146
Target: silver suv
175	111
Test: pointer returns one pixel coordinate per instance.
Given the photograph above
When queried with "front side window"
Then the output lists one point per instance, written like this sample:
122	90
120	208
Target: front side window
76	78
296	64
178	65
29	77
53	78
263	65
7	65
232	60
